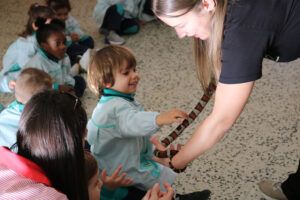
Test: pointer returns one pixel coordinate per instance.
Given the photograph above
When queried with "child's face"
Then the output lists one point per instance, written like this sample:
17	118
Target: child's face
55	45
126	80
62	14
94	188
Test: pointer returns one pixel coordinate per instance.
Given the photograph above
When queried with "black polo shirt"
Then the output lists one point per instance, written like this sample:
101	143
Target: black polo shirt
255	29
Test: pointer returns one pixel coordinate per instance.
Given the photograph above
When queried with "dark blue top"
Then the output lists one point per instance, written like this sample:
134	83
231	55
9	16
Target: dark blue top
255	29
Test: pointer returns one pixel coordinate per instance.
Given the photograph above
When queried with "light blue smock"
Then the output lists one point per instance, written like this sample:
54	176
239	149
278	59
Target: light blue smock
9	123
59	70
16	56
73	26
119	132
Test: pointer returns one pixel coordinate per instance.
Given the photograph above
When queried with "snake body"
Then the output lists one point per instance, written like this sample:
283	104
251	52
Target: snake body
169	153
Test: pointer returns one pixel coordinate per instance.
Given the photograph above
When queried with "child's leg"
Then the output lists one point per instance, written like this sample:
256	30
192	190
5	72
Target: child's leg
74	51
87	42
134	194
112	24
80	86
147	8
113	18
129	26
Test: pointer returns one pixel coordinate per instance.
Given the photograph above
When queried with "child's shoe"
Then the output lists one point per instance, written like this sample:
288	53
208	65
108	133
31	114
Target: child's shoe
272	189
75	69
113	38
85	59
202	195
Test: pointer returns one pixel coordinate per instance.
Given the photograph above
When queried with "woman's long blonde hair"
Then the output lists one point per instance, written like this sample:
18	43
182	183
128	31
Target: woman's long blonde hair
207	52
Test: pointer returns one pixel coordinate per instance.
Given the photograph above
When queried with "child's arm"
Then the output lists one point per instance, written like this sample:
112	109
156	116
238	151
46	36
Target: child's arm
66	66
133	122
73	27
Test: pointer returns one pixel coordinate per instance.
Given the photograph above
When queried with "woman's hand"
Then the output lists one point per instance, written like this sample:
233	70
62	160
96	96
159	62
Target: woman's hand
160	147
155	194
171	116
115	180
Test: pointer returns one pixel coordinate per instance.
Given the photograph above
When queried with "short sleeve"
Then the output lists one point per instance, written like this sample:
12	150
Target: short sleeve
242	53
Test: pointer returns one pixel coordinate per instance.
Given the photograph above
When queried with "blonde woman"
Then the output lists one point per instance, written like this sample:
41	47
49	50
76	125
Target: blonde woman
231	39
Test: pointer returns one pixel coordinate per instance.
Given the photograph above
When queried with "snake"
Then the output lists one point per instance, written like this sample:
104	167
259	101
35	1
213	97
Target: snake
169	153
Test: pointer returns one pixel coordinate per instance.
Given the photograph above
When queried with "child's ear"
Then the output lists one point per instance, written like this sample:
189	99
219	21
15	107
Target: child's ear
108	85
44	45
12	85
34	27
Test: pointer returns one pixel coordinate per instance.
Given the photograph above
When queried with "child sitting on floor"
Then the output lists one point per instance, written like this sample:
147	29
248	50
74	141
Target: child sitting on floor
29	82
24	48
52	58
119	17
77	41
119	129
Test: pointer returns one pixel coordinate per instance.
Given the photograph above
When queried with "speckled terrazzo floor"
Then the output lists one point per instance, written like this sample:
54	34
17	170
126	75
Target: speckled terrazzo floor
263	143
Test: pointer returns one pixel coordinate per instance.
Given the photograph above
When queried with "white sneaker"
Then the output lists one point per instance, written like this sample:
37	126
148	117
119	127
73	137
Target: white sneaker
114	38
272	189
85	59
75	69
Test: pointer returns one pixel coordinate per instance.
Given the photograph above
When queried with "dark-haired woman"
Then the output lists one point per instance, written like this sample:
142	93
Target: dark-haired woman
231	39
49	163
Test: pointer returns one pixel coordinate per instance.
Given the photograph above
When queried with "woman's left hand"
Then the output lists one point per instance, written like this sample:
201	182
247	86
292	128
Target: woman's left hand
160	147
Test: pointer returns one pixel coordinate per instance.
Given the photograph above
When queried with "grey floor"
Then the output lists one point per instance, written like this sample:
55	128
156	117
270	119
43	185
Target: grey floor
263	143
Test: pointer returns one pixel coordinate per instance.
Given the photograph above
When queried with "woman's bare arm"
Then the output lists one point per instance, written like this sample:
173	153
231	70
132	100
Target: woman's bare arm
230	99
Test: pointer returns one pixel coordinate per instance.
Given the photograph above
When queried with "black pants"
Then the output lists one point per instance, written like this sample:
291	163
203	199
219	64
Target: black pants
79	48
135	194
147	8
80	86
114	20
291	187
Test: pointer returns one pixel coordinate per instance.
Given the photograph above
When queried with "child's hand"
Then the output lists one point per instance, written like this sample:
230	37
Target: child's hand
66	88
74	37
115	180
171	116
155	194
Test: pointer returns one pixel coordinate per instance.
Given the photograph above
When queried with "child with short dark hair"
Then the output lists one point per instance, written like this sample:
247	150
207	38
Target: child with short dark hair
51	57
29	82
77	41
24	48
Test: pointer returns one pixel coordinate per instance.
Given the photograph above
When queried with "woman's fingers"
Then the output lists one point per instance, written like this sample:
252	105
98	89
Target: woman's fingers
157	143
